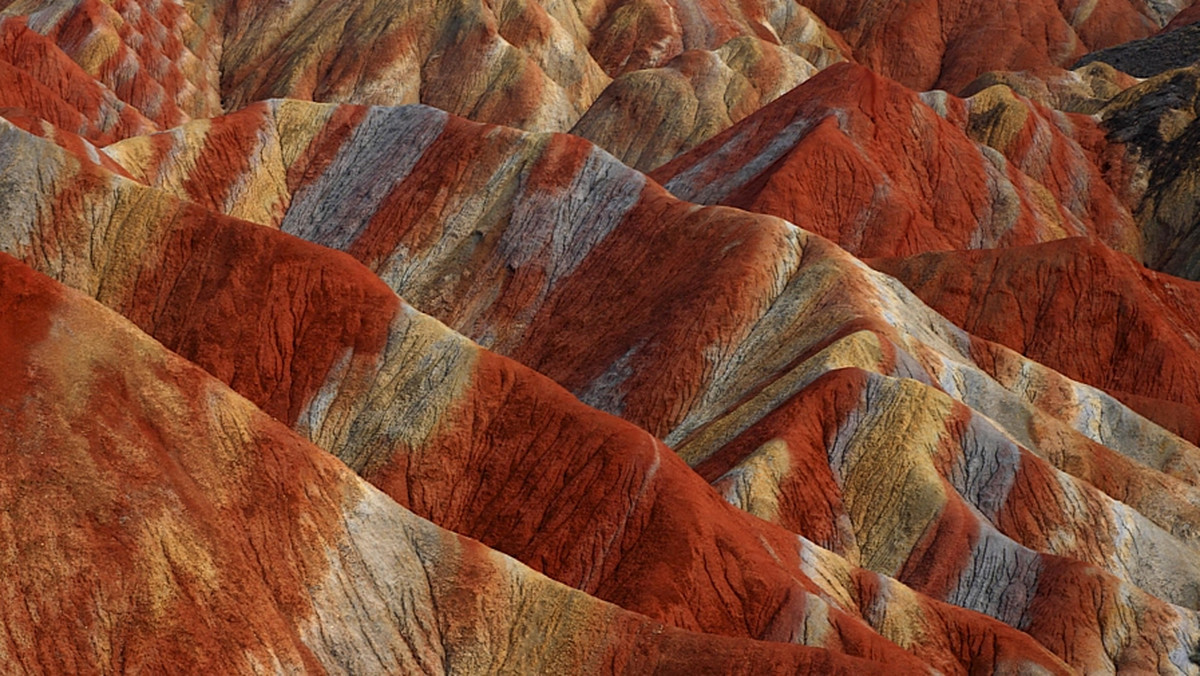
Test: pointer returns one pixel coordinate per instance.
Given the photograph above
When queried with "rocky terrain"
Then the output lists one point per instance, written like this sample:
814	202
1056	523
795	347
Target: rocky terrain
599	337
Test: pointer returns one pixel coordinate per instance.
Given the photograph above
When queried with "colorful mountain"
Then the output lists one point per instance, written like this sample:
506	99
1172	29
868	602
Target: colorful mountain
353	337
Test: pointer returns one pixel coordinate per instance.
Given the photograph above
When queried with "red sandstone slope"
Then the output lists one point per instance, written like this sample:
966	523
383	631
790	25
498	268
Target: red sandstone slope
871	165
510	210
36	76
954	192
864	476
529	64
684	71
1088	312
77	145
203	341
1067	155
570	348
447	430
153	56
205	535
945	44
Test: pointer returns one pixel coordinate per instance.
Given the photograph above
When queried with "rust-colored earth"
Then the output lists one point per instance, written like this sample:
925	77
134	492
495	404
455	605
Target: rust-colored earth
639	336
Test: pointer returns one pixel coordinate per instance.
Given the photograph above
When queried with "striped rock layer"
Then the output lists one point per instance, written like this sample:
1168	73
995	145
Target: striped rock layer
647	117
41	80
715	392
883	171
462	436
683	70
207	536
946	44
153	56
1083	90
538	66
1079	307
937	173
633	432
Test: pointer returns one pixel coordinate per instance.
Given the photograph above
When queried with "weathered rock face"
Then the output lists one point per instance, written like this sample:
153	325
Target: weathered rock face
39	78
448	430
1155	126
346	408
533	65
1186	17
918	181
206	535
647	117
1177	48
1078	307
152	55
945	44
1064	155
509	206
684	71
1084	90
633	433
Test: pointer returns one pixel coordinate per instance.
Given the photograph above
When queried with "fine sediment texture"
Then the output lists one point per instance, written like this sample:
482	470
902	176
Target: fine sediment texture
328	350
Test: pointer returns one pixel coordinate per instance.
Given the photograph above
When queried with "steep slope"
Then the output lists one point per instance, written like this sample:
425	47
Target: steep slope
1045	183
1155	134
647	117
1186	17
458	434
945	44
1067	155
41	79
869	164
509	202
1143	147
514	62
1083	90
959	498
1086	311
523	170
523	64
742	449
208	536
527	64
153	56
474	58
78	146
722	391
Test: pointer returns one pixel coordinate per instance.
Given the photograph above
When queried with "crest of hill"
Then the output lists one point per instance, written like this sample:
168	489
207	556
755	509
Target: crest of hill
206	535
204	343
